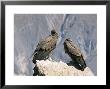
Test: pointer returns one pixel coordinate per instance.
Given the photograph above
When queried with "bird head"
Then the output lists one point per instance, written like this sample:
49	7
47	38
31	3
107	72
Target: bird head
68	39
54	33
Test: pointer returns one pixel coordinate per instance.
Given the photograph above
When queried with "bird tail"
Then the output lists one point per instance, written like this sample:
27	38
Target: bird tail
32	55
82	64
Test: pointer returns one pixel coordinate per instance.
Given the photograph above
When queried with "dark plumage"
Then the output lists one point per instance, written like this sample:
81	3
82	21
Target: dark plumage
73	51
45	47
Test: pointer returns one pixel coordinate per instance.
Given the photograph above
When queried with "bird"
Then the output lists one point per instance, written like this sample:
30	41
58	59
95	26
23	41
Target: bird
75	54
45	47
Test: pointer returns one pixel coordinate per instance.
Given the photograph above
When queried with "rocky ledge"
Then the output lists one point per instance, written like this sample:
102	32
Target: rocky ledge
53	68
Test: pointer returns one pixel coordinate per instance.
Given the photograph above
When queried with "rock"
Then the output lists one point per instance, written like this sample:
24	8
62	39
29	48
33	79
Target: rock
52	68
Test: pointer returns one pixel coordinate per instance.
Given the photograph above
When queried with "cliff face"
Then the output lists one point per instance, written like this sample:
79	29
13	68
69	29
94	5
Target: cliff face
52	68
29	29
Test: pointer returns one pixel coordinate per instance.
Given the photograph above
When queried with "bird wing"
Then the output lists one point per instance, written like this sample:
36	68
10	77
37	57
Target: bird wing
47	44
73	49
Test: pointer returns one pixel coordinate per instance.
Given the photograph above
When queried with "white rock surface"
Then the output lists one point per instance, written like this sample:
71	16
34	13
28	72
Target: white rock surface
52	68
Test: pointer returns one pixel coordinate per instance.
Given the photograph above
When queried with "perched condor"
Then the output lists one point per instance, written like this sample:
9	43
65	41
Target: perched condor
73	51
45	47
